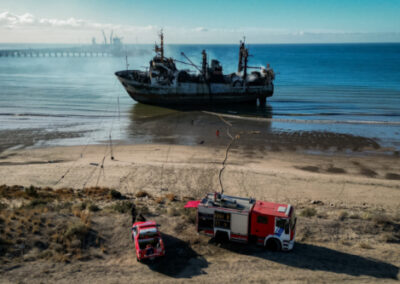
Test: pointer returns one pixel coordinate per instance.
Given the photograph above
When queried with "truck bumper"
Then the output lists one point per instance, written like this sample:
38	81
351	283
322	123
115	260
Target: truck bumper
287	245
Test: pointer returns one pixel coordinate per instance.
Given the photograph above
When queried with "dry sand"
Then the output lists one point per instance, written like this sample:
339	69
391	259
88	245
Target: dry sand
344	241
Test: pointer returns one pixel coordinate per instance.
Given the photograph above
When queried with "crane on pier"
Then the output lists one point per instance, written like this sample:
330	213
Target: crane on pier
105	38
111	37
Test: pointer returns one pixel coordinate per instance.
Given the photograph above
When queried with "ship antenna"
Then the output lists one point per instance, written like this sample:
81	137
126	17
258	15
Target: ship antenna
162	45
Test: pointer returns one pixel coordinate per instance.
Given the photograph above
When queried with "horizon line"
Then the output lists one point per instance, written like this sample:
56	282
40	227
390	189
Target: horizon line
226	43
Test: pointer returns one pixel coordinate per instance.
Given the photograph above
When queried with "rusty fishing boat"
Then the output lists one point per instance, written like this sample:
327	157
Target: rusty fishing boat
164	84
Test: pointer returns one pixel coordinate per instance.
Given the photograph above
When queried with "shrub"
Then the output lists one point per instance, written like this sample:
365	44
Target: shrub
31	191
115	194
122	206
308	212
382	219
392	176
81	206
343	215
144	210
63	205
37	202
97	191
365	245
171	197
76	230
85	217
142	193
191	215
390	237
159	200
354	216
171	211
334	170
3	206
93	207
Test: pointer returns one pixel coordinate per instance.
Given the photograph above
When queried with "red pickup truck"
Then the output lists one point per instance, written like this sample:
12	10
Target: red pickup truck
148	241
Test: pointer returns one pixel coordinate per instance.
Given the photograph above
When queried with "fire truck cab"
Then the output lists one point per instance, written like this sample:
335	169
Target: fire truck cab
224	217
273	225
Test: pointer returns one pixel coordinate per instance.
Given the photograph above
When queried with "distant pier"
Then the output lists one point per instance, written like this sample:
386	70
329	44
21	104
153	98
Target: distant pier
93	51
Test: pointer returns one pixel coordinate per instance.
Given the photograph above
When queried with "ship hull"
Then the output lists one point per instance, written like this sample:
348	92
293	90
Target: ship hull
194	93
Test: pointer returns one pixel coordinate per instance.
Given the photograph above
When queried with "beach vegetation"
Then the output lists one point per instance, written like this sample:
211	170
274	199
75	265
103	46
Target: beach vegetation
3	205
37	202
308	212
93	207
190	215
392	176
171	211
159	200
31	191
354	215
142	193
343	215
122	207
115	194
335	170
365	245
171	197
368	172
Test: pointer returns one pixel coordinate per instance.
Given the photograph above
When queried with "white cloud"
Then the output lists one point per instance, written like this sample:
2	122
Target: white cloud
14	21
10	20
200	29
28	28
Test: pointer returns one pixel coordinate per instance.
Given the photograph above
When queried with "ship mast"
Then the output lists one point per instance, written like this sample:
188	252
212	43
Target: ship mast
161	48
162	45
243	59
240	65
204	63
245	55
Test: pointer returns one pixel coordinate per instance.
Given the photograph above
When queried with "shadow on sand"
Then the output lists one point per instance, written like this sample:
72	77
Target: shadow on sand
180	260
312	257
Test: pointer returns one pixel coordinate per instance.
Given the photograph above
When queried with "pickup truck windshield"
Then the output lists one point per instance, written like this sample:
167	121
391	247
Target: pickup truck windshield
148	233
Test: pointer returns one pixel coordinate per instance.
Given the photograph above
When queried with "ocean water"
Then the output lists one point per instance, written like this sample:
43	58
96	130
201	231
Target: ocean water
344	88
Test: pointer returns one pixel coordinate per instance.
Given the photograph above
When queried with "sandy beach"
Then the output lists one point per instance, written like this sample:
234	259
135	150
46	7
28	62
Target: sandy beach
352	233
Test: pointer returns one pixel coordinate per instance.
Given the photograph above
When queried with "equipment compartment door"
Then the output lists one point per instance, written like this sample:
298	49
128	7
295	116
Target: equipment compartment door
222	220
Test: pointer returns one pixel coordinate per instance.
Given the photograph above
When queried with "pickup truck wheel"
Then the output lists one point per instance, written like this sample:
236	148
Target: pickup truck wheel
273	245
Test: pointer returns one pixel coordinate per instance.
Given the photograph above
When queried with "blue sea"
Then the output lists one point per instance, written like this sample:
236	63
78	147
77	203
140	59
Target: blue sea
343	88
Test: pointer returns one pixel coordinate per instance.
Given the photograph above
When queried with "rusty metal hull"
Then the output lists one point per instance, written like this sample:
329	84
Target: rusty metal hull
194	93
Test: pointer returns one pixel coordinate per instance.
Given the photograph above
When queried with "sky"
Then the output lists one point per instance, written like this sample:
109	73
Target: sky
203	21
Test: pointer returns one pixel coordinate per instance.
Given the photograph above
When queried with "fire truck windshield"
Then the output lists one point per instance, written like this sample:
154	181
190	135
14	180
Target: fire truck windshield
283	224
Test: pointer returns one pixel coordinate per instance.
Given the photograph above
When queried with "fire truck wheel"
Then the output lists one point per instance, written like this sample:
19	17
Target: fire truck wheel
273	245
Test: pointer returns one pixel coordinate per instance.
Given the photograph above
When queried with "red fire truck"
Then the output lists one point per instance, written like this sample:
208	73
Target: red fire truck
224	217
